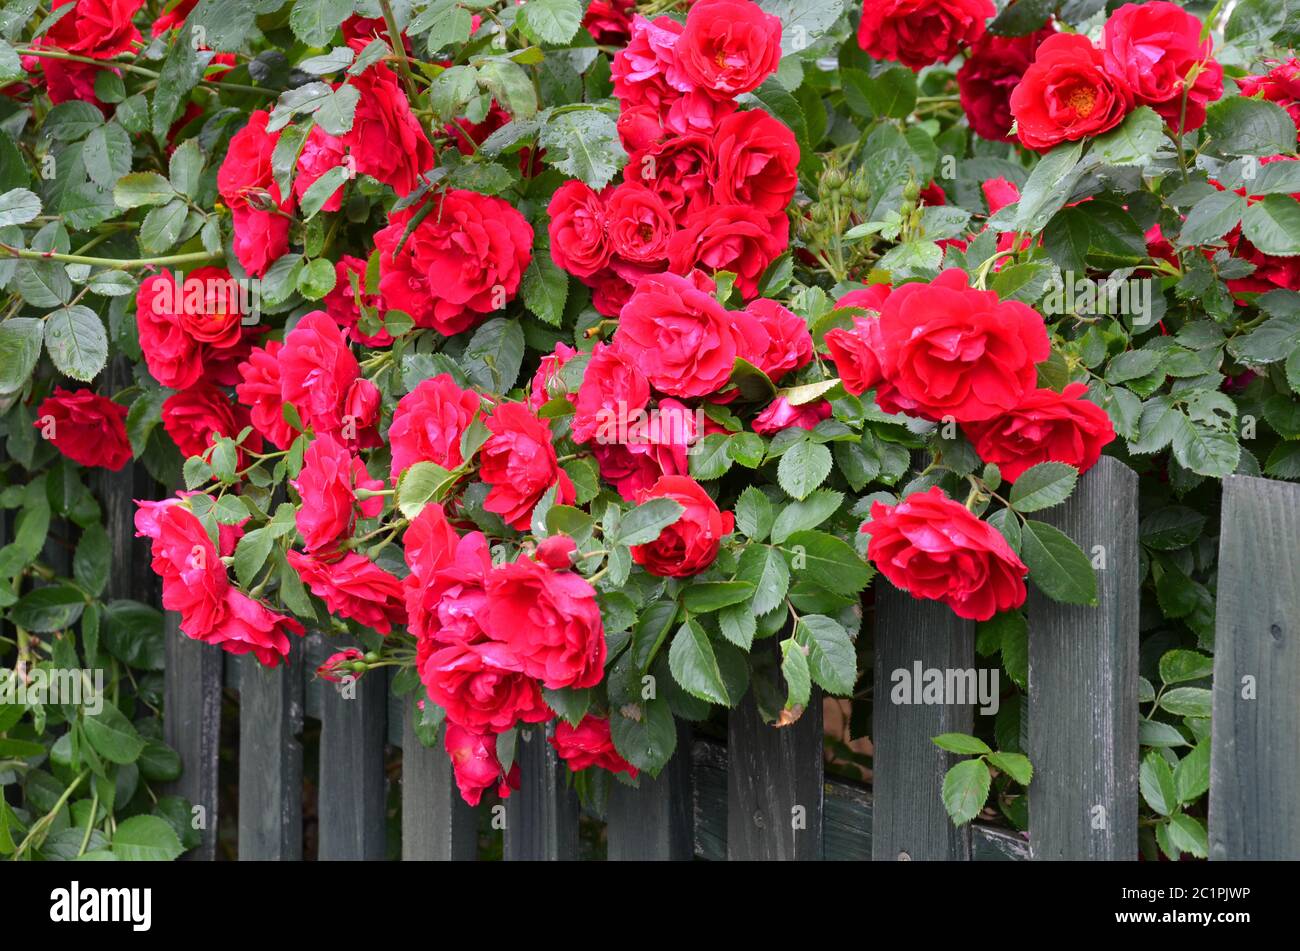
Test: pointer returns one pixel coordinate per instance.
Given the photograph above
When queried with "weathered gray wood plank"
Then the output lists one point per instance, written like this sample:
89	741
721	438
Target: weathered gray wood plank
270	758
436	823
352	794
192	725
1255	734
1083	680
907	775
655	820
542	815
774	783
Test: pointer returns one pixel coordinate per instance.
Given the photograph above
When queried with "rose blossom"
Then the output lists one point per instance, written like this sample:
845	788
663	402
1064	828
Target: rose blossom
550	621
1281	84
342	304
1066	94
260	392
728	47
1045	427
781	414
475	764
589	744
250	627
320	153
248	188
518	461
920	33
327	483
654	447
639	223
87	428
755	162
193	578
579	243
934	549
316	369
734	238
337	666
194	417
994	65
386	139
428	423
354	587
482	687
690	544
790	344
547	377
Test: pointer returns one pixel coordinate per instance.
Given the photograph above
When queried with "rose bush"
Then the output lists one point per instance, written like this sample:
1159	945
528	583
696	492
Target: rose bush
586	361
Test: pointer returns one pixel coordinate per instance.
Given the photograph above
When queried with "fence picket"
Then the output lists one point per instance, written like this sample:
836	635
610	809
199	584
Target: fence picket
1083	679
436	822
352	795
909	820
655	821
270	758
542	815
774	783
192	726
1255	749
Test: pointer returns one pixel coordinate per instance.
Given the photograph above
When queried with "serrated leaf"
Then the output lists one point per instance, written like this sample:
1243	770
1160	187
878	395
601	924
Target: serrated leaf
76	341
695	666
1042	486
965	790
1057	565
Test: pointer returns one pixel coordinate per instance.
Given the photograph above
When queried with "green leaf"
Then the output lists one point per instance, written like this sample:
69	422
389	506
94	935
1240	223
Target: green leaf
710	458
545	288
1156	780
107	154
322	190
1057	566
705	597
314	21
694	665
583	144
76	341
1015	647
91	562
113	736
494	355
738	625
20	348
146	839
1043	485
965	790
1188	835
806	514
48	609
1273	225
794	668
142	188
18	206
550	21
1047	189
1180	666
831	657
803	467
316	279
1192	774
962	743
1015	765
1134	141
642	525
765	568
162	226
1239	126
570	703
1187	701
183	67
753	511
251	554
828	561
1211	218
512	86
421	483
446	22
1206	450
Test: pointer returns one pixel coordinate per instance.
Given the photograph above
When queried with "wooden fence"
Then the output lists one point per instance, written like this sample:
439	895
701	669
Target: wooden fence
763	795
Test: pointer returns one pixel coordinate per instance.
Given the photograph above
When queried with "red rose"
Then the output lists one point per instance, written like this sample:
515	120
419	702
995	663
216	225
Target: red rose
557	551
316	369
87	428
855	353
449	605
645	72
482	687
172	18
1155	49
949	350
355	588
1281	85
100	29
320	153
640	224
550	621
609	21
193	578
250	627
248	188
468	136
342	304
690	544
648	448
428	424
934	549
260	392
579	243
386	139
193	417
429	544
360	415
639	128
682	338
338	665
327	483
679	171
733	238
1046	427
1066	94
782	414
474	761
994	65
755	162
172	355
609	292
463	261
547	378
790	344
919	33
729	46
589	744
518	461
